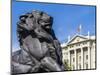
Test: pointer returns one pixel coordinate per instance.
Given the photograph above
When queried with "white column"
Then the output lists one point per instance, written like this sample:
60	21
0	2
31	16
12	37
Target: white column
75	59
82	58
88	57
69	58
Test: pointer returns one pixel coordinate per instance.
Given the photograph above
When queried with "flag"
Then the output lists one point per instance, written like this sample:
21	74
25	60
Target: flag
79	28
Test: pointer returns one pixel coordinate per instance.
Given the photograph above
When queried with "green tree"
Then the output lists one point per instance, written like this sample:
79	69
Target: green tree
66	65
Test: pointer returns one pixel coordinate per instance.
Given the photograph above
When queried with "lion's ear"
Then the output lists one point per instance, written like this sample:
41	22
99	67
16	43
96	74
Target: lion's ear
23	16
30	15
41	13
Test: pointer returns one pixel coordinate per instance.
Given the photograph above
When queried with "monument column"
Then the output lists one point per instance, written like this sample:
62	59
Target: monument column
69	58
75	59
82	57
89	58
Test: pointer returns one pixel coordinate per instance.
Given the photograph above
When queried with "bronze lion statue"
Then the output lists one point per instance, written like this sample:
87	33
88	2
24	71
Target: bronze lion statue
40	50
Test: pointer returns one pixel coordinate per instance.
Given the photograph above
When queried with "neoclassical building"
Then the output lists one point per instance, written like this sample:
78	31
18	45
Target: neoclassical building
80	52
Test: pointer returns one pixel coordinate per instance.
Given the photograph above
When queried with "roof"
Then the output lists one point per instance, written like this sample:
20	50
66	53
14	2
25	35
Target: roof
75	38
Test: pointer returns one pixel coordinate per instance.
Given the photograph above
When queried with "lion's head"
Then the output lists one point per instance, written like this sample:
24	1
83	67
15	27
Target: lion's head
29	21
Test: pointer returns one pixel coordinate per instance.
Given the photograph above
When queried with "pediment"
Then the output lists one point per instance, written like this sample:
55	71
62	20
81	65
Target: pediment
77	39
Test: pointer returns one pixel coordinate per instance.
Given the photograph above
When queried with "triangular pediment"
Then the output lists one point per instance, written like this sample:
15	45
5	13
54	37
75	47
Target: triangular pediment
77	39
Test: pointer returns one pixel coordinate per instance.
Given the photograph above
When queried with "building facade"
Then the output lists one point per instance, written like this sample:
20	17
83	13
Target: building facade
80	52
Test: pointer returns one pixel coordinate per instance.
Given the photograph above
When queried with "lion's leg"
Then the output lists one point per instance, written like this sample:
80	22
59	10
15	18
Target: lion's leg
50	64
33	46
18	68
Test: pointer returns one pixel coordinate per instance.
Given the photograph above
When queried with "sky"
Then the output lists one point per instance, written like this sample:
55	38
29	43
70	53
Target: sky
66	18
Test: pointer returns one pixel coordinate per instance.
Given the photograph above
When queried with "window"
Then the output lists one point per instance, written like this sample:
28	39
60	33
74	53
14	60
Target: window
79	58
84	43
71	46
79	66
66	48
86	57
73	59
86	66
73	67
77	44
67	61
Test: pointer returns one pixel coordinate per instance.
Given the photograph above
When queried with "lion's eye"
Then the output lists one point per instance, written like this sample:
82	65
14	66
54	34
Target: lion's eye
31	16
22	18
41	22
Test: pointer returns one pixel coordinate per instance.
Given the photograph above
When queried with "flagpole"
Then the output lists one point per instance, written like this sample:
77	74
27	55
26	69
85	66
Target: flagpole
80	29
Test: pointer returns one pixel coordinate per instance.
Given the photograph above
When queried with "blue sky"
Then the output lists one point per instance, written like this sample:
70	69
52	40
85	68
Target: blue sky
67	18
